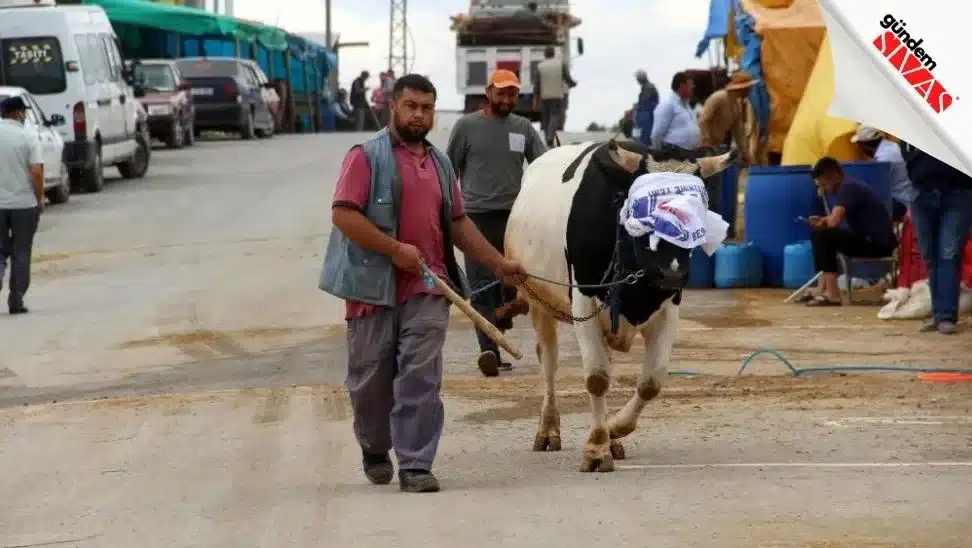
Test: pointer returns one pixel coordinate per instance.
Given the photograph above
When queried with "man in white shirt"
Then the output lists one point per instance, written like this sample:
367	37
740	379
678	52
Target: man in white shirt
874	145
21	198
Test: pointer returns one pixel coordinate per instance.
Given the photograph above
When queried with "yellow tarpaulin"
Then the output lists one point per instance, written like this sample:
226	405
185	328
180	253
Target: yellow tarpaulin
813	134
790	33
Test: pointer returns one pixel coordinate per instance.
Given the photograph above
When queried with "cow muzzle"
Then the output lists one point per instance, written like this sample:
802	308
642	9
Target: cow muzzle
673	275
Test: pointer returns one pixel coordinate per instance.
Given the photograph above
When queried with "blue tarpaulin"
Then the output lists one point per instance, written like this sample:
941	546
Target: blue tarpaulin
750	62
718	24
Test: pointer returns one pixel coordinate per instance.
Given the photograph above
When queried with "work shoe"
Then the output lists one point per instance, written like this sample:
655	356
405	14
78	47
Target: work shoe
417	481
928	327
489	363
947	328
378	468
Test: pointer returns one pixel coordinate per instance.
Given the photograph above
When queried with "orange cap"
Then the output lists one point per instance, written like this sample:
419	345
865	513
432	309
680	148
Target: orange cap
504	79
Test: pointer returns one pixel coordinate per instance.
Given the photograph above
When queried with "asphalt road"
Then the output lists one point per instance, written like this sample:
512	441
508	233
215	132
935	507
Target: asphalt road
192	295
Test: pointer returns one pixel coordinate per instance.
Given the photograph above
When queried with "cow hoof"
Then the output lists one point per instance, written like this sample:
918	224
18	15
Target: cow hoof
604	463
617	450
547	442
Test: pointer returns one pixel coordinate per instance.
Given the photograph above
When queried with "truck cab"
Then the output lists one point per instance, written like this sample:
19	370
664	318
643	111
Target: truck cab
508	34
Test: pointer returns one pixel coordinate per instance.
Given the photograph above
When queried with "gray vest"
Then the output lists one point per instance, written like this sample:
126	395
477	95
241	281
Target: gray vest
353	273
552	85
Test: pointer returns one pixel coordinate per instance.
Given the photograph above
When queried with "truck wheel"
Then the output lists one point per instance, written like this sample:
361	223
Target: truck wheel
90	179
62	192
190	134
247	131
136	166
176	136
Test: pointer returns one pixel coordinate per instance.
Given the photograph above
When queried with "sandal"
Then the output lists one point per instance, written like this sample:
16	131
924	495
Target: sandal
820	300
805	298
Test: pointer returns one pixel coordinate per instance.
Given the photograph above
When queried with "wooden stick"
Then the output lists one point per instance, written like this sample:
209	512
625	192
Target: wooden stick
477	318
803	287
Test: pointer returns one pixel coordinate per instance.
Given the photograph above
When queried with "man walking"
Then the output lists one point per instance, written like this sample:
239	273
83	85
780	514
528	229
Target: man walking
942	214
359	100
21	198
644	111
487	150
553	82
397	207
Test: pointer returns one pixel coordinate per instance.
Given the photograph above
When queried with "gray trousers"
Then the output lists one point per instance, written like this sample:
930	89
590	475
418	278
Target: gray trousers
17	229
361	116
492	224
395	378
551	118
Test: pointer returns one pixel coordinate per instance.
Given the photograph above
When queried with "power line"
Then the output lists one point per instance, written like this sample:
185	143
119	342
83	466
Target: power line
398	35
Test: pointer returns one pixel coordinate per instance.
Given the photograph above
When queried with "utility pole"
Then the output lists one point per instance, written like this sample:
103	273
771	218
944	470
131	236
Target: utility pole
327	24
398	37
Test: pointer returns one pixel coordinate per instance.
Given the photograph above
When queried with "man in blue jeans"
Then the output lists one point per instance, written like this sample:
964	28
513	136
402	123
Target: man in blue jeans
942	215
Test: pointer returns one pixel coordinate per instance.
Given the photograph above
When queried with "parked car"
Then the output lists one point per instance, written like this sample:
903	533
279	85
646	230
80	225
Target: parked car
171	113
228	95
270	94
57	185
68	57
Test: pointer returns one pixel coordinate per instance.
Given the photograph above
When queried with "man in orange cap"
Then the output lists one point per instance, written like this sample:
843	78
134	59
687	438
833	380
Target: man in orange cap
487	149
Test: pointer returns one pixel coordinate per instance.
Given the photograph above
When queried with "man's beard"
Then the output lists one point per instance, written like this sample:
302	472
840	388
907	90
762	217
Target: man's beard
410	135
500	110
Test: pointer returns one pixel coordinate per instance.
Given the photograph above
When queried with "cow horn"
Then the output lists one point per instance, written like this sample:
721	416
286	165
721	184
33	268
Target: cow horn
625	159
711	165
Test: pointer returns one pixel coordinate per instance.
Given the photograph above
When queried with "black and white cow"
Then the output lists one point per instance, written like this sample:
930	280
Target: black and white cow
565	227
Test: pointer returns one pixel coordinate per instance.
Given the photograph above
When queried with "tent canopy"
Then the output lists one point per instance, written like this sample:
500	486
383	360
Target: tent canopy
777	41
813	134
790	43
190	21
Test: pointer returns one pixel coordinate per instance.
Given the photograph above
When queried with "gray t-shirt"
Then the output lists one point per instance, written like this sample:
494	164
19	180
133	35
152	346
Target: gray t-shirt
19	149
488	155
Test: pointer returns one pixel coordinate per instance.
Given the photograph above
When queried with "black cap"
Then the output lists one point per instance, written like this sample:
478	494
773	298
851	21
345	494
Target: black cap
13	104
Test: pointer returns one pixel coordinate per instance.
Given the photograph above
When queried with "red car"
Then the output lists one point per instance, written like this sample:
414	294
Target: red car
167	101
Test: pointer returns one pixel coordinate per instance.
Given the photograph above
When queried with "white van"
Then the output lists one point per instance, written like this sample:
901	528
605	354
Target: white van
68	58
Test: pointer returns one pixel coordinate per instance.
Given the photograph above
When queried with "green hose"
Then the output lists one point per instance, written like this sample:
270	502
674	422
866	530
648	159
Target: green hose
799	371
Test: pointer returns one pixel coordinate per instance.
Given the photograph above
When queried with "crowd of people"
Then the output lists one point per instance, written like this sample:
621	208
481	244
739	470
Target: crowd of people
934	195
356	111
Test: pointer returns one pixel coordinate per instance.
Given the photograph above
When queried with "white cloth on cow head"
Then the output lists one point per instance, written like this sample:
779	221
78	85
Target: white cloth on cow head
673	207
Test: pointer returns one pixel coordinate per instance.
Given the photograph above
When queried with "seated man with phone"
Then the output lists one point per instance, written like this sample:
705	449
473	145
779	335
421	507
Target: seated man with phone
870	233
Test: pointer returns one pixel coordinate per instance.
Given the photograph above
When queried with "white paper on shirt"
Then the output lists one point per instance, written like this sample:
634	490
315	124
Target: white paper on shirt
517	142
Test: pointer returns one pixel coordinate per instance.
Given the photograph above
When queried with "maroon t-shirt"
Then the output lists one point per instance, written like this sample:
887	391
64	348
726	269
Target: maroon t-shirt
419	220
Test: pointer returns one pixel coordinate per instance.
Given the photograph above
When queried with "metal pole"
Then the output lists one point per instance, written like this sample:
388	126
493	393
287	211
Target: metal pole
327	24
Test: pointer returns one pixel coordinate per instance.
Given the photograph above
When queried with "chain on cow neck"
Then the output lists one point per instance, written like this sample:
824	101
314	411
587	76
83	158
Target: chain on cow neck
614	268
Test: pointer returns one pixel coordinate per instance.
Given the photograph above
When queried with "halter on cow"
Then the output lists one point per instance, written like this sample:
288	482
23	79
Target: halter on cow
565	227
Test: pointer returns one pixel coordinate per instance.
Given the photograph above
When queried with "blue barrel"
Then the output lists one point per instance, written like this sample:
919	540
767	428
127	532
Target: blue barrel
876	175
775	197
738	265
702	270
797	264
729	197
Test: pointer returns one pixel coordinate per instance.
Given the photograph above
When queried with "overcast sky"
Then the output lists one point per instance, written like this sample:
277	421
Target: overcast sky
657	35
